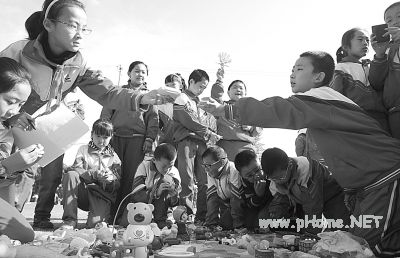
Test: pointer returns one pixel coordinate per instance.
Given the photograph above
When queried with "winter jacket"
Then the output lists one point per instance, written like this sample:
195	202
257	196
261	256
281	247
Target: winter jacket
53	81
131	123
358	152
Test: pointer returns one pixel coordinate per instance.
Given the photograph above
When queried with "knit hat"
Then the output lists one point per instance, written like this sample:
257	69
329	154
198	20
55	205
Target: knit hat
177	213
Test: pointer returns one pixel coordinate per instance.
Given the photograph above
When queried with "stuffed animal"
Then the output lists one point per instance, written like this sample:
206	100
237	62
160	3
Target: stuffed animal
181	217
139	232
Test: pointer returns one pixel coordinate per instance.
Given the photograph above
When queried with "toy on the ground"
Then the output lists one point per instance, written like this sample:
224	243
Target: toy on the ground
169	233
139	233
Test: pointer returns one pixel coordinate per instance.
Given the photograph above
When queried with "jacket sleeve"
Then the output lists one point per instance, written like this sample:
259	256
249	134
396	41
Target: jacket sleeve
378	71
337	82
211	188
217	91
187	119
140	178
295	112
300	145
236	184
101	89
106	113
81	166
152	122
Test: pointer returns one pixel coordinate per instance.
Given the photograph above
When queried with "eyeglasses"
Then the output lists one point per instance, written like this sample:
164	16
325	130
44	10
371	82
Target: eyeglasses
75	28
207	166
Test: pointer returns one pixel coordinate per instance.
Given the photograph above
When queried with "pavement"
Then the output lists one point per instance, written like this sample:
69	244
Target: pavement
56	214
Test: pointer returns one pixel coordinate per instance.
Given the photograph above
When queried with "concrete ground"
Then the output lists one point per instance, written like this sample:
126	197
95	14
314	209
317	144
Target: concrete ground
56	214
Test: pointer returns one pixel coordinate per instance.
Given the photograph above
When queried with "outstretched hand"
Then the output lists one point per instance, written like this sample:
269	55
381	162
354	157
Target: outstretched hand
154	97
24	158
212	106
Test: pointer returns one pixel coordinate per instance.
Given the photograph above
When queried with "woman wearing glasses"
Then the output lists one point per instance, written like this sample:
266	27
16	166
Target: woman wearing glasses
52	56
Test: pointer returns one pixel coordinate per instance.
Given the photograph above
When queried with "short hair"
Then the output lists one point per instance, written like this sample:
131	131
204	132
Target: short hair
215	152
103	127
390	7
322	62
11	74
273	159
243	159
237	81
135	63
172	76
166	151
198	75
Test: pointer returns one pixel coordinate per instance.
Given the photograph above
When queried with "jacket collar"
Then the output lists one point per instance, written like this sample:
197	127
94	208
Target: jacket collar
93	149
192	96
34	50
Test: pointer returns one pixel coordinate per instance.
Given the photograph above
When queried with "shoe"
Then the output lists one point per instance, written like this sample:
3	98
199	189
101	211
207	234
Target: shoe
43	224
69	224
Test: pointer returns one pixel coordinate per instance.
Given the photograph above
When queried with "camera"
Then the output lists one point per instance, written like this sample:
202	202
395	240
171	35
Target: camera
378	31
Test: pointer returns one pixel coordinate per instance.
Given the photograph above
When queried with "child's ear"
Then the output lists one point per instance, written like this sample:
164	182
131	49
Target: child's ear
191	81
48	25
319	77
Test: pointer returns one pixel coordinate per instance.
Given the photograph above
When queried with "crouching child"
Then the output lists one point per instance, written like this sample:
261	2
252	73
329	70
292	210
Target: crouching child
93	180
162	182
224	194
312	186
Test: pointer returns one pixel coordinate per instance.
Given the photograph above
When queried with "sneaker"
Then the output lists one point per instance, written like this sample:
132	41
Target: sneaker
43	224
69	224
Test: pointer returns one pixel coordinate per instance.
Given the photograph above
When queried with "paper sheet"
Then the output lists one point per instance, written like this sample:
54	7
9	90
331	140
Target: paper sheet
56	131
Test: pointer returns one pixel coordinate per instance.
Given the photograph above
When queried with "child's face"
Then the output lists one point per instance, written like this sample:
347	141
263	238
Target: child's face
249	172
138	75
392	16
101	141
237	91
163	165
303	77
358	45
11	102
65	33
211	166
176	84
198	87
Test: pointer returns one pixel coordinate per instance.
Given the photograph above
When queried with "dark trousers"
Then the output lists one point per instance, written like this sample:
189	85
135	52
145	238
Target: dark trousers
130	152
191	171
77	195
384	238
49	180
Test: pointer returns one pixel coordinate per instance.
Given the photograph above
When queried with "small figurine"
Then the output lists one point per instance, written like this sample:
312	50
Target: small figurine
181	218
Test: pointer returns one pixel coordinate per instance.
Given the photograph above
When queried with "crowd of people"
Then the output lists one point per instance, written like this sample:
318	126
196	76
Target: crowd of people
151	147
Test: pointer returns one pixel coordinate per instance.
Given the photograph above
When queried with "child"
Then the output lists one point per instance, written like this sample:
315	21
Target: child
235	137
134	131
166	111
360	154
351	75
255	186
93	180
318	194
57	67
193	130
224	194
15	87
384	74
162	183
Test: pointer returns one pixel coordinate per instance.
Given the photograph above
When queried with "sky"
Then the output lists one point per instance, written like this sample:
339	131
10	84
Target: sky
263	39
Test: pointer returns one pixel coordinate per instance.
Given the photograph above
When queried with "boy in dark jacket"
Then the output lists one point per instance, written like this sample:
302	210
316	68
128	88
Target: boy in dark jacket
318	194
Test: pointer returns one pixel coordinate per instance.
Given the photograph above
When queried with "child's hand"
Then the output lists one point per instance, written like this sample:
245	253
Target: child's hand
148	146
24	158
215	137
22	120
379	48
163	187
260	187
212	106
153	97
220	74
